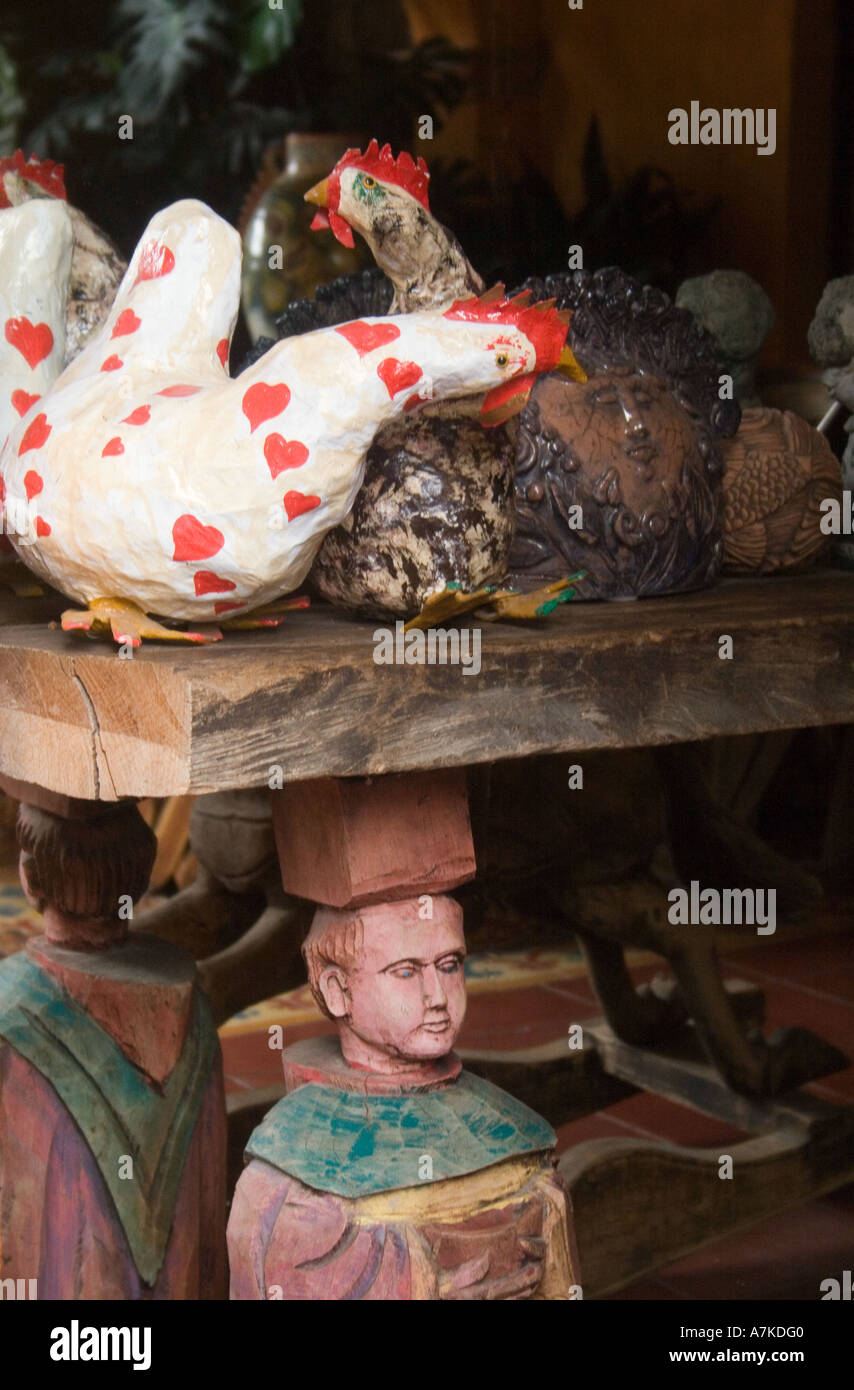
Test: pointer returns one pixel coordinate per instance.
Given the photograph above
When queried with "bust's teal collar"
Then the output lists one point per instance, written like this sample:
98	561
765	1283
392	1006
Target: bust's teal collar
357	1145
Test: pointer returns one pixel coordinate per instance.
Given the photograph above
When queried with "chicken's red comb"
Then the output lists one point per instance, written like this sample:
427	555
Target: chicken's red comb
543	325
410	175
43	172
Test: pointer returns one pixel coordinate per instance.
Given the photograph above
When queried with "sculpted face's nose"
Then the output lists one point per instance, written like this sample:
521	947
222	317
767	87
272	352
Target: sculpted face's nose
435	996
636	429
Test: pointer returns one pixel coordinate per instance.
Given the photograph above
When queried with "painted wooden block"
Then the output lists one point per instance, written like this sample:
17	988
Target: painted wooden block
344	841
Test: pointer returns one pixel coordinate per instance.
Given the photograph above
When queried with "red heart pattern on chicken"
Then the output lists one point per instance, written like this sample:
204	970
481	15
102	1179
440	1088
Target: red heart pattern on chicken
33	484
22	400
34	341
127	322
262	402
367	337
35	435
206	582
398	376
283	453
298	502
154	262
195	541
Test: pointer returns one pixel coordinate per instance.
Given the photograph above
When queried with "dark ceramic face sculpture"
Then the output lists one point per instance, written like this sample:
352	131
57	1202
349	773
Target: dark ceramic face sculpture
621	475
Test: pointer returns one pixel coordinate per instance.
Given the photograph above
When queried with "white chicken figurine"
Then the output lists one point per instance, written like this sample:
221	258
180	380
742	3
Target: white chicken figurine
35	265
152	483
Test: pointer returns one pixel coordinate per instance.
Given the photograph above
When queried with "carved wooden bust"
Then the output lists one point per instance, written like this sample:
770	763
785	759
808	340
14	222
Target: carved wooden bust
387	1171
621	475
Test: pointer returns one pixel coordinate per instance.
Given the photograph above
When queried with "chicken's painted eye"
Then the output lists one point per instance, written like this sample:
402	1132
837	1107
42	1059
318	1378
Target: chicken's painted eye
368	182
501	359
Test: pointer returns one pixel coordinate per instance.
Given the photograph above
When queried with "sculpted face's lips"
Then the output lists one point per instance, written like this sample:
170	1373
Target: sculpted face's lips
440	1025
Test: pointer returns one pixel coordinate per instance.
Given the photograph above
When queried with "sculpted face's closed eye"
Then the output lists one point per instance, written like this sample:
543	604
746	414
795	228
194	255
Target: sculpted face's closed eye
407	970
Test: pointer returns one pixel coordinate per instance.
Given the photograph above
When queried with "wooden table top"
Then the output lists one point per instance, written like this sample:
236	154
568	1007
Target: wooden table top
309	698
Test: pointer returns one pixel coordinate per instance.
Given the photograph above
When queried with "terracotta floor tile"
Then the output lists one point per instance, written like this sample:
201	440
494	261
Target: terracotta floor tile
785	1257
596	1126
837	1089
800	961
659	1118
508	1019
789	1005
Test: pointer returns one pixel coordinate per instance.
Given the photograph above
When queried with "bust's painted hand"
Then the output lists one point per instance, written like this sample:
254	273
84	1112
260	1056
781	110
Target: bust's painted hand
502	1256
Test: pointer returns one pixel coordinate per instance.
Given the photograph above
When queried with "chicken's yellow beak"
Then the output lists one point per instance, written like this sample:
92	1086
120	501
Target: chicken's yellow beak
568	365
319	194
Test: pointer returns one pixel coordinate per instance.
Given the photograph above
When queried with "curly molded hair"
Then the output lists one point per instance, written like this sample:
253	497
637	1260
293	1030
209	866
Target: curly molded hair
620	325
618	322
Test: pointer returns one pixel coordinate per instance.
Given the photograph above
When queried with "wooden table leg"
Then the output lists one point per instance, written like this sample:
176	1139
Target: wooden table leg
112	1120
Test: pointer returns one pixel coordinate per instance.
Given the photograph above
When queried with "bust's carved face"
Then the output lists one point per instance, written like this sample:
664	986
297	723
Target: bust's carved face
621	450
402	1000
630	434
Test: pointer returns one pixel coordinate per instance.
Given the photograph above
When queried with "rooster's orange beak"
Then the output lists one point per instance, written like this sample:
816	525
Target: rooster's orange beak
319	194
325	217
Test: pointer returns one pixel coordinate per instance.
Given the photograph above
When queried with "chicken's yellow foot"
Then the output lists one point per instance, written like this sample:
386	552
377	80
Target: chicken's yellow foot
539	603
128	624
451	602
268	615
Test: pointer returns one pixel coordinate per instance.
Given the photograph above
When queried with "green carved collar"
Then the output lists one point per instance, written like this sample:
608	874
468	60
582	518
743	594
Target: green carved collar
357	1145
113	1105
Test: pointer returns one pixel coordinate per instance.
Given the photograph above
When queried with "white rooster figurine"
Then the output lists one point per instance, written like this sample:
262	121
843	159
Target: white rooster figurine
152	483
35	264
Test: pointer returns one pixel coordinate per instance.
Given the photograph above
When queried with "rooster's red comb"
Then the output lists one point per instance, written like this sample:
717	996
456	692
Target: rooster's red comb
43	172
411	175
543	325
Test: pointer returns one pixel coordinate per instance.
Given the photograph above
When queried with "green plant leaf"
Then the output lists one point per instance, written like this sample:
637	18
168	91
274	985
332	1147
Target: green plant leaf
269	33
168	41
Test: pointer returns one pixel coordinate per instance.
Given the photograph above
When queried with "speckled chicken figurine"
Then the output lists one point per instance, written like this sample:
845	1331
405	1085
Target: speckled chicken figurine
153	484
433	524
